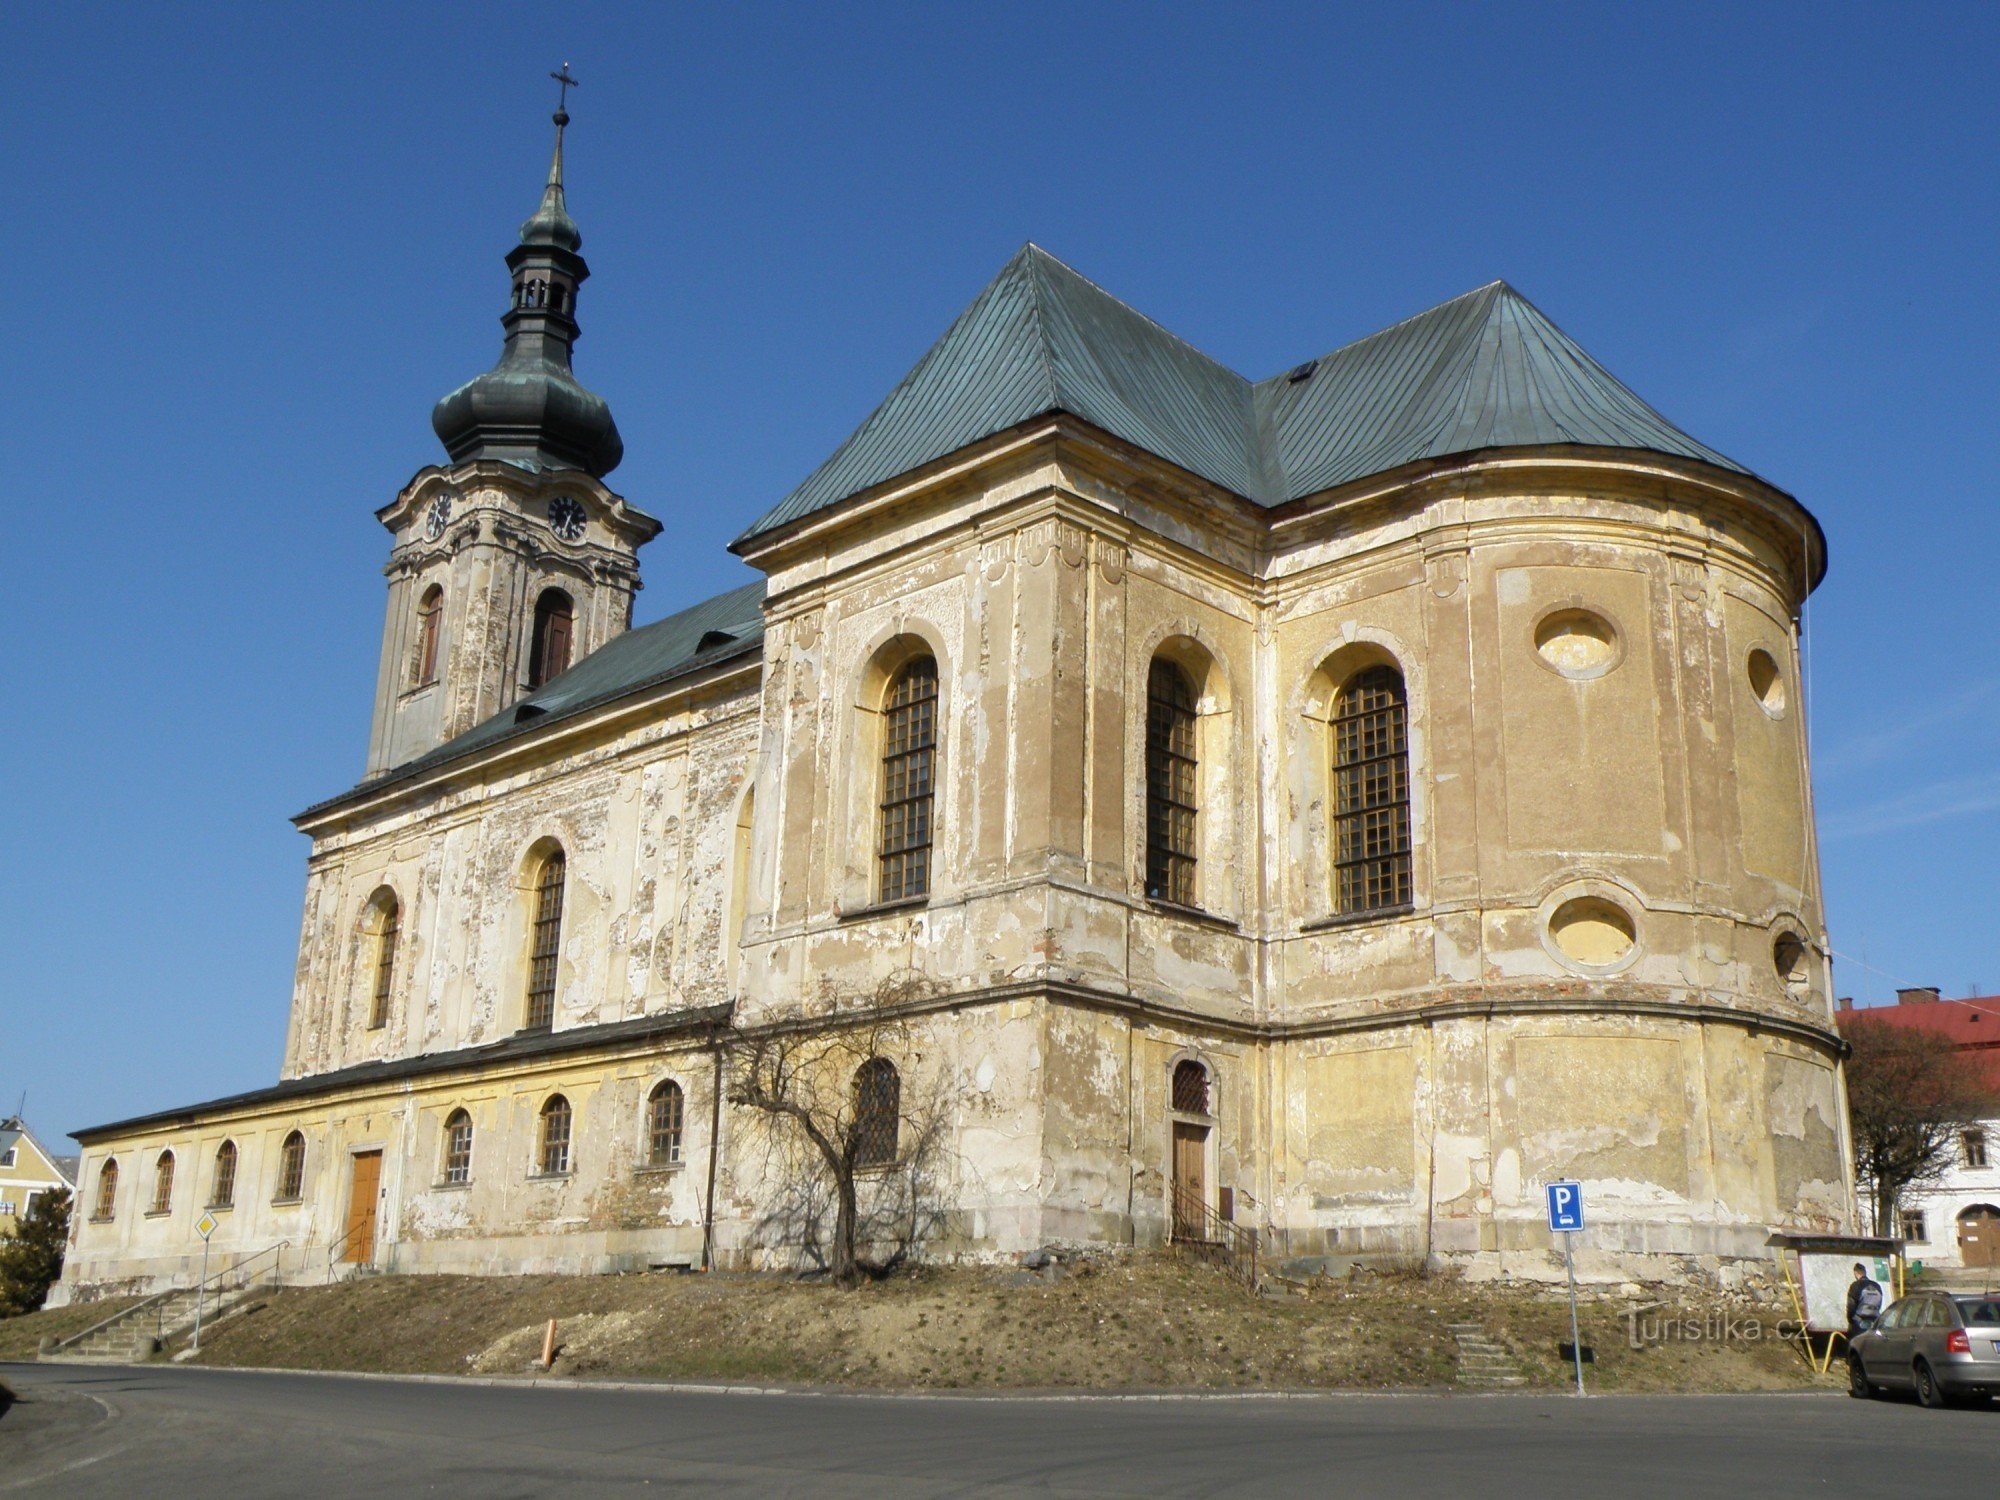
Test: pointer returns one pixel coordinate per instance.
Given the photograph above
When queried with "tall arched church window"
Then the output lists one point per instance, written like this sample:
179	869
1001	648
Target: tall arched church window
665	1109
292	1169
552	1153
909	779
107	1190
555	625
430	621
458	1148
878	1107
223	1193
1171	772
386	923
163	1183
1371	792
545	941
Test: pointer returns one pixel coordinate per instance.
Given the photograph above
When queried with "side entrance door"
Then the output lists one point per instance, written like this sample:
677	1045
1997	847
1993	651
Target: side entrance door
1190	1181
1979	1236
360	1246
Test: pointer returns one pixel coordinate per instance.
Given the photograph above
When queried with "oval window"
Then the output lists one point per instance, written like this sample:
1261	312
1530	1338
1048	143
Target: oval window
1767	682
1577	643
1592	931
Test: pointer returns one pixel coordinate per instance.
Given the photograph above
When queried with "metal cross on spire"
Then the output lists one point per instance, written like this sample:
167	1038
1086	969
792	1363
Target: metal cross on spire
568	83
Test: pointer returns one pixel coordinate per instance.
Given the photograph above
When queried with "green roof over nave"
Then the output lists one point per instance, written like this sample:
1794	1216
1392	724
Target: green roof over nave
1485	370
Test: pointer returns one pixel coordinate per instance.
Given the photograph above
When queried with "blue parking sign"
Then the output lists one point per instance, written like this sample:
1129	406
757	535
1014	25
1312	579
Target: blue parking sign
1565	1206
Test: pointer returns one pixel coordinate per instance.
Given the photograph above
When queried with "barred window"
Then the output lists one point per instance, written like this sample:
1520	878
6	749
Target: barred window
1190	1087
430	618
909	772
292	1169
163	1183
552	1159
546	942
458	1148
1371	793
665	1107
549	647
223	1193
387	921
1171	770
878	1106
107	1189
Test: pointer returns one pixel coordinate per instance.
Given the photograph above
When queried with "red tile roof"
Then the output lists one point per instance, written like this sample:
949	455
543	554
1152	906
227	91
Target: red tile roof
1973	1024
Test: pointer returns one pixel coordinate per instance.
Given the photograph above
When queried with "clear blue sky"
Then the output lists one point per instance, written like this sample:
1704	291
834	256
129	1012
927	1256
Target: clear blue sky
258	242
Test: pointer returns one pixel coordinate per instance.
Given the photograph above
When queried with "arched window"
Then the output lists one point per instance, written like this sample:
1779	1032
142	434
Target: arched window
555	623
385	922
552	1151
1190	1088
878	1105
163	1183
107	1189
1371	793
458	1148
909	779
430	620
292	1169
1171	773
545	942
665	1108
222	1194
739	887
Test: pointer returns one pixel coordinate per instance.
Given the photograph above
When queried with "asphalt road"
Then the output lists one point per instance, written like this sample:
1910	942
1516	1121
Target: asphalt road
87	1431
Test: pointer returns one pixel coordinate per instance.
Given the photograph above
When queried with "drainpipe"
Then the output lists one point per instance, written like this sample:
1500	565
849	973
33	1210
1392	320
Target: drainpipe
714	1140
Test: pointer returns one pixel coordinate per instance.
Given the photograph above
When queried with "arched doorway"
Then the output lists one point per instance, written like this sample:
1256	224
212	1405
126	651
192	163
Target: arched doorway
1193	1126
1979	1236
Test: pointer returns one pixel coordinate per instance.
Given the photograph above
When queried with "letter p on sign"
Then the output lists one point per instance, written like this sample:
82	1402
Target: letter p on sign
1565	1206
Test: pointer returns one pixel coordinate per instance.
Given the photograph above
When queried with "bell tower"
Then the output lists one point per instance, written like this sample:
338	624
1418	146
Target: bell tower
513	560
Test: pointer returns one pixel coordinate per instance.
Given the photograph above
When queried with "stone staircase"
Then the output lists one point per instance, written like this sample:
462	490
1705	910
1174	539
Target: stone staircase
139	1332
1482	1363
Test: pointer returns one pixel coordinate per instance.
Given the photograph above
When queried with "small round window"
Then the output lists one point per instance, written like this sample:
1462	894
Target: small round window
1577	643
1767	681
1591	931
1790	957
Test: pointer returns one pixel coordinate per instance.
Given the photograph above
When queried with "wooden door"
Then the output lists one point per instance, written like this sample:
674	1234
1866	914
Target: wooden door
1979	1236
1190	1181
360	1246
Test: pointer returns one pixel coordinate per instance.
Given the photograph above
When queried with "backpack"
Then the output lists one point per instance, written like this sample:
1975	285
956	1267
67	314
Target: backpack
1869	1303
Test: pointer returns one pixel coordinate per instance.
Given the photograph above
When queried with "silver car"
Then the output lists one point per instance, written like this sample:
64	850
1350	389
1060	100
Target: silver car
1945	1347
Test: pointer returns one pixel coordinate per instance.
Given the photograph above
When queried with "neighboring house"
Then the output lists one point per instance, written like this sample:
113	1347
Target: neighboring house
1342	801
1956	1221
27	1170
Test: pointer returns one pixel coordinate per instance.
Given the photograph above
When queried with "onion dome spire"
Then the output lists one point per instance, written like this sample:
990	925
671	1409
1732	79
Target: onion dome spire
529	409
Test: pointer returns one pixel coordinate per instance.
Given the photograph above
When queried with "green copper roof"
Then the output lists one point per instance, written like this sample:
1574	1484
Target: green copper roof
1485	370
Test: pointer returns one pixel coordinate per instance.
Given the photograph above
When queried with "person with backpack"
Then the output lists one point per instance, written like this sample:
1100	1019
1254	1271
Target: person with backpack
1864	1301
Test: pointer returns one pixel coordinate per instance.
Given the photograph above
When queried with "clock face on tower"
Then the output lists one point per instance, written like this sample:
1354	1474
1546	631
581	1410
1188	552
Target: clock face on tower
438	517
566	518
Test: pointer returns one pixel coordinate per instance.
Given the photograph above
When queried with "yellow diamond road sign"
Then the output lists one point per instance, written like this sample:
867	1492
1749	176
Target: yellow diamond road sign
205	1225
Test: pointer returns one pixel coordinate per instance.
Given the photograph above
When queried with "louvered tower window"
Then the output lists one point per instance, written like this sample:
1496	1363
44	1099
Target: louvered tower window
555	624
1371	793
909	772
388	926
1171	771
430	620
546	943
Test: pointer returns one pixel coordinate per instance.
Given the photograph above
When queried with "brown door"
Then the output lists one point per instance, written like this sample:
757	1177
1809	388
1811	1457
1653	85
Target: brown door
1190	1181
360	1246
1979	1236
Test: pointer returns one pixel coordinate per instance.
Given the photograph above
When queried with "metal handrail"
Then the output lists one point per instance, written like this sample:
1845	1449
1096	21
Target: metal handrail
1237	1244
235	1268
334	1248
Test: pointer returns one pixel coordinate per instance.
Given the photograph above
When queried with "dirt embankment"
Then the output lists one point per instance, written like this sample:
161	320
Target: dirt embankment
1144	1322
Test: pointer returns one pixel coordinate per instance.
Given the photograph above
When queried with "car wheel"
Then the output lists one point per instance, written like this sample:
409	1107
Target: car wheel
1858	1384
1929	1392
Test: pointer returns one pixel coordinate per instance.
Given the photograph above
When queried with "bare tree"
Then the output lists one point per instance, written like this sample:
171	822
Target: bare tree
1910	1095
854	1126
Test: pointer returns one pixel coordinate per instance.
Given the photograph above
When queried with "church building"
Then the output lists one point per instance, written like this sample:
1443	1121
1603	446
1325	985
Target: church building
1324	808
